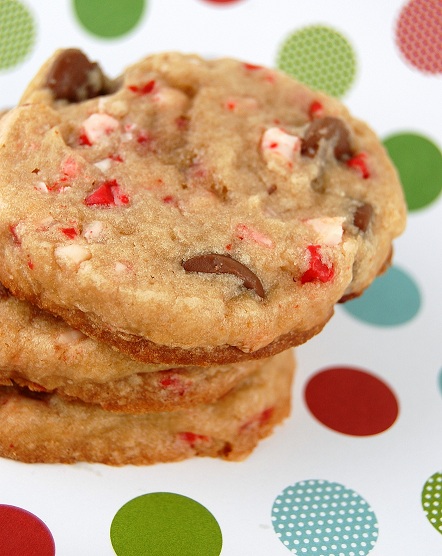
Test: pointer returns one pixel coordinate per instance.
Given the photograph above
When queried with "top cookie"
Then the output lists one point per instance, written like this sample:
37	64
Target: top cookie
191	211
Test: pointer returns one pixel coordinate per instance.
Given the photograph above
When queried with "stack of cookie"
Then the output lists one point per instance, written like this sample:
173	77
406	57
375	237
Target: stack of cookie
166	238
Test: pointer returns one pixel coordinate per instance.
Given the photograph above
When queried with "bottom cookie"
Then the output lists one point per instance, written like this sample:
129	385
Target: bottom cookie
48	429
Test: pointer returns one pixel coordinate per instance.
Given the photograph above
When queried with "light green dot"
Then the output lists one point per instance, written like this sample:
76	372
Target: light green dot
391	300
320	57
419	163
109	18
165	524
430	502
17	33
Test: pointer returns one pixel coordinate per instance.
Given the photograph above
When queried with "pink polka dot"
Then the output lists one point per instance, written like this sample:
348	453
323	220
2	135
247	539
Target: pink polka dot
24	534
419	34
351	401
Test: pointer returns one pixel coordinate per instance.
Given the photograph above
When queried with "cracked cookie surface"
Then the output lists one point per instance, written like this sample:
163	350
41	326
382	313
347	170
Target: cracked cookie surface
191	210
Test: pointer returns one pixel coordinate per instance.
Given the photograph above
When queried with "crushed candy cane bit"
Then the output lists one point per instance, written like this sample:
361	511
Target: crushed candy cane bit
120	267
246	232
252	67
192	438
74	254
316	110
41	186
71	232
359	163
14	233
71	336
276	142
107	194
70	167
318	270
98	126
93	230
329	228
258	420
171	381
144	89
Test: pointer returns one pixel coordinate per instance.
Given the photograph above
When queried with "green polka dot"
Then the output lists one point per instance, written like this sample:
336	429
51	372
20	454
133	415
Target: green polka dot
17	33
319	57
165	524
109	18
391	300
432	501
419	163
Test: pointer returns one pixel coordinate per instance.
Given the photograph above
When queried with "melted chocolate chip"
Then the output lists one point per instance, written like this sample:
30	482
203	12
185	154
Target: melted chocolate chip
362	216
74	78
329	128
214	263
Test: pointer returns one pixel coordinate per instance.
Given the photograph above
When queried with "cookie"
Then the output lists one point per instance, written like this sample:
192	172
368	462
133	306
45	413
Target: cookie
191	211
49	429
43	353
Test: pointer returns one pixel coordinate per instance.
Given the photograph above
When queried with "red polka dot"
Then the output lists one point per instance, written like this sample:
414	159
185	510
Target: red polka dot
419	34
23	534
351	401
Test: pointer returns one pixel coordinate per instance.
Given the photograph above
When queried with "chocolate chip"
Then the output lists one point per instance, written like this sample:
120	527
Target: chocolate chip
214	263
332	129
74	78
362	216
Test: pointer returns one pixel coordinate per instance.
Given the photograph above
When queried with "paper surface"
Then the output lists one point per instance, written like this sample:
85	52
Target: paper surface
362	477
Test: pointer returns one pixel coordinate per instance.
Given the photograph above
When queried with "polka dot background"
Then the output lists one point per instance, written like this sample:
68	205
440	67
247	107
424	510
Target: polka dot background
324	518
367	411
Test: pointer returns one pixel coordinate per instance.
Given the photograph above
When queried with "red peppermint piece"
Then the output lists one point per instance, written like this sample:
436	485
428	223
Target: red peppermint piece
13	231
359	163
318	270
144	89
71	233
83	140
316	110
259	419
193	438
172	382
116	158
252	67
108	194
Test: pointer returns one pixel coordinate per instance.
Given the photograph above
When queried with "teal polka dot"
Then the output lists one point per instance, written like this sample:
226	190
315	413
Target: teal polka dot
320	518
109	18
17	33
439	380
393	299
165	524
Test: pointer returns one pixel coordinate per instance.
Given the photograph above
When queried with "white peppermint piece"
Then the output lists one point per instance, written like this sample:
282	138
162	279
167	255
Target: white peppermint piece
98	126
70	336
278	143
328	228
41	186
93	230
120	267
72	255
104	165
